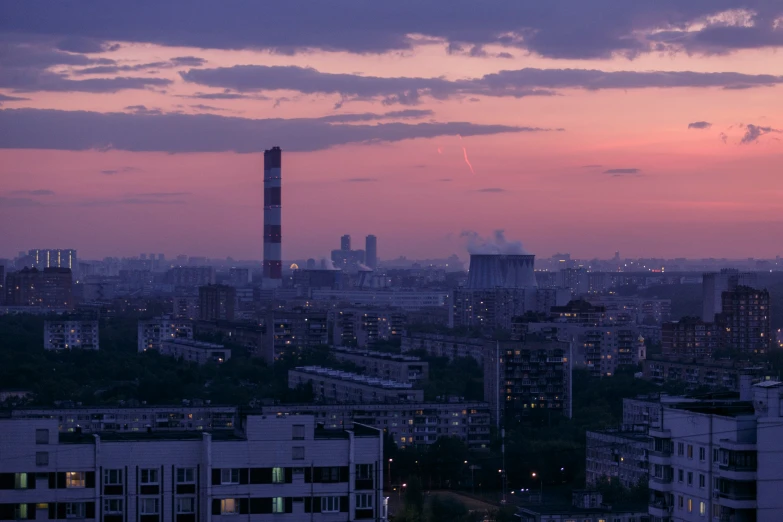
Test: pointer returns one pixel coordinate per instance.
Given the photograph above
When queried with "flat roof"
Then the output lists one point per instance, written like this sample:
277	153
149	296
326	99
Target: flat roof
353	377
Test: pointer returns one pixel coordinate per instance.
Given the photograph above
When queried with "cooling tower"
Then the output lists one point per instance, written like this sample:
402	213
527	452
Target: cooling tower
501	271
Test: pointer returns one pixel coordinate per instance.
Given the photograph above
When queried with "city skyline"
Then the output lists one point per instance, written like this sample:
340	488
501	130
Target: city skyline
656	133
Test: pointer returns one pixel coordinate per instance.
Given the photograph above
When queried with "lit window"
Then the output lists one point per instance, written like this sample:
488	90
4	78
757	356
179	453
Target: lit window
229	506
75	479
690	505
702	508
20	481
278	475
278	505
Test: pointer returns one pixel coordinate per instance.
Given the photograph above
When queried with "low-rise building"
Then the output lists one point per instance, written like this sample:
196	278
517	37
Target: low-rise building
334	386
71	335
714	374
443	345
403	299
284	467
408	424
387	366
586	506
152	332
99	419
195	351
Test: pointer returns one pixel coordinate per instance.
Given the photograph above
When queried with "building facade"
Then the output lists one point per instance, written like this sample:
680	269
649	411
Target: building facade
689	337
441	345
195	351
617	455
71	335
527	378
275	468
334	386
50	288
386	366
59	258
152	332
217	302
745	320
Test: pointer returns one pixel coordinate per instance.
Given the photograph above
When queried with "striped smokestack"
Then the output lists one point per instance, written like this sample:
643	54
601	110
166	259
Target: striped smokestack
273	258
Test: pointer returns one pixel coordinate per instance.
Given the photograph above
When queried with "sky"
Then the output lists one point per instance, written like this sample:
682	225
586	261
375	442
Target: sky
652	127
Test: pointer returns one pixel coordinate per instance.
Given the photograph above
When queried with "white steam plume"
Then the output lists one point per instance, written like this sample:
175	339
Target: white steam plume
497	244
328	264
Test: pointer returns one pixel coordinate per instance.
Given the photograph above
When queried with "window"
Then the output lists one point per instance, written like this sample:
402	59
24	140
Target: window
186	505
74	510
702	480
330	504
21	512
229	506
330	474
298	432
690	505
679	501
690	451
20	480
715	455
42	436
702	454
278	475
298	453
278	505
702	508
680	449
229	476
112	477
186	475
42	458
148	506
363	471
112	506
690	478
75	479
364	501
149	476
680	475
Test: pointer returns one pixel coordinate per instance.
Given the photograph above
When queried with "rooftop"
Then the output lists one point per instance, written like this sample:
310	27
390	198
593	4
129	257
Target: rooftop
195	344
377	355
353	377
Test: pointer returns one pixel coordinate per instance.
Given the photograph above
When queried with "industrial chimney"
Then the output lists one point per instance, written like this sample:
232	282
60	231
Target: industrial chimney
273	259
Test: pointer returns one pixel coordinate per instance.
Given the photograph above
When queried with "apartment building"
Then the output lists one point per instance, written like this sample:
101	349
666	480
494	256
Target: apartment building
442	345
363	327
387	366
403	299
586	506
689	337
120	419
334	386
614	454
527	377
716	374
71	335
719	460
185	307
275	468
289	331
152	332
195	351
409	424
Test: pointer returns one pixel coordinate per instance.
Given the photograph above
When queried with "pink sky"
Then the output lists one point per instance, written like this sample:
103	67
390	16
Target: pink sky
694	195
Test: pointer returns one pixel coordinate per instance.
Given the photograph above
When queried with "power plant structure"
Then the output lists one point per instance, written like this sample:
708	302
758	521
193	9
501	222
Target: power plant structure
502	271
273	255
501	287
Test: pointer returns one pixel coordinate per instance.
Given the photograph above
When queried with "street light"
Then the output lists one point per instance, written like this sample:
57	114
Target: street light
541	486
390	481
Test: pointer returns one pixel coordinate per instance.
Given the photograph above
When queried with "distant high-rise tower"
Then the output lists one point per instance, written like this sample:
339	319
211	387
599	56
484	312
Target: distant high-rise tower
273	259
345	242
371	252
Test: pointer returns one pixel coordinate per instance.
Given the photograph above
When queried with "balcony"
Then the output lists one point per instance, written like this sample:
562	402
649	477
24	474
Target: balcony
736	500
661	509
662	484
663	458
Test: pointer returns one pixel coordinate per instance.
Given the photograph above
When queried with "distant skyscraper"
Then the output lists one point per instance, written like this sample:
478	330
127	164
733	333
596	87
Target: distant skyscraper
47	288
61	258
371	251
345	242
273	255
715	283
745	320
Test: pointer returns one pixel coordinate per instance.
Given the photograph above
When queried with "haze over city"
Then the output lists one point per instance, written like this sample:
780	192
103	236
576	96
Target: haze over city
653	129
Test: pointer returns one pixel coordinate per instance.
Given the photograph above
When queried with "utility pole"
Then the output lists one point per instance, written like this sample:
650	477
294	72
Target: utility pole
503	471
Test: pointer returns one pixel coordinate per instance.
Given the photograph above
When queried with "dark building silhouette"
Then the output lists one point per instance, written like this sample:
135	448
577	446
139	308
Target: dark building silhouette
48	288
745	320
217	302
689	337
191	276
345	242
371	251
